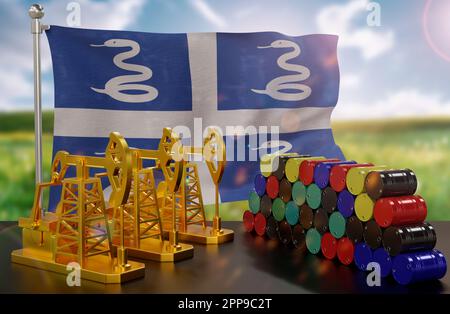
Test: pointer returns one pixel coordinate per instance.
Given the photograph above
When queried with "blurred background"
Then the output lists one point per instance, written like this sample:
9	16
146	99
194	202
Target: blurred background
394	58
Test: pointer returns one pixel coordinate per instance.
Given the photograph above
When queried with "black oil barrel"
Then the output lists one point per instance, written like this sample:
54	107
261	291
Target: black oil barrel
390	183
321	220
271	228
298	236
265	205
285	232
306	216
285	190
398	240
354	229
329	199
373	234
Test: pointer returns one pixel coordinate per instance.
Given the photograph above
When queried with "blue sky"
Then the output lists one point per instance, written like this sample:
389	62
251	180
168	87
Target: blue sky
400	68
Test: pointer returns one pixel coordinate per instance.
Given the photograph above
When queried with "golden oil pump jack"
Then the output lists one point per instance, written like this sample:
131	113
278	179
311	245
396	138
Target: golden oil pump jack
190	212
138	221
78	231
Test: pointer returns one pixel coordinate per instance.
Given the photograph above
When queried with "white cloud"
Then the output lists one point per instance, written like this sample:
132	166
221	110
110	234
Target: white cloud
401	104
208	13
337	19
13	85
349	80
16	66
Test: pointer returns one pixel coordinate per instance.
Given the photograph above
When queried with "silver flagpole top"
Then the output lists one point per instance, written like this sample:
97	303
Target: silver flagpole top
36	11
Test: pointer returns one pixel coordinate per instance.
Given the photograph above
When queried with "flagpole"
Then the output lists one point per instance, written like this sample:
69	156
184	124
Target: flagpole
36	12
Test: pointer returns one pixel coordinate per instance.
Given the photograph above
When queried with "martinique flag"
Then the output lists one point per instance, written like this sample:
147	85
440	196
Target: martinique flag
137	83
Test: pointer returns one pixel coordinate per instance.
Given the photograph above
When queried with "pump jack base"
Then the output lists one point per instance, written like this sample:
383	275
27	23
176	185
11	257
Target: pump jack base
98	268
198	234
154	250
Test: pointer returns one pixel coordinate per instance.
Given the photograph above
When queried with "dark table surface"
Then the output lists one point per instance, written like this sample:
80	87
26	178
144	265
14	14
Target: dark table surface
250	264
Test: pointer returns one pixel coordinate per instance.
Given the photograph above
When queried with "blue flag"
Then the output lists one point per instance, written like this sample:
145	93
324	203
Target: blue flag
137	83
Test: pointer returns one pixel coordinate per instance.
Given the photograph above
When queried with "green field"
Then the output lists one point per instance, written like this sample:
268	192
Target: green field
422	145
17	172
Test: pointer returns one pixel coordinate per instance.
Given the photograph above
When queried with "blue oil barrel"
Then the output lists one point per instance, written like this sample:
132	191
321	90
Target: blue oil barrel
382	257
363	255
419	266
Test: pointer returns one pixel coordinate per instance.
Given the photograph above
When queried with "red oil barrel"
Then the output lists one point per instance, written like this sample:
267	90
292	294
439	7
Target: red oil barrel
345	251
390	183
400	210
249	221
329	245
338	175
398	240
306	170
260	224
272	187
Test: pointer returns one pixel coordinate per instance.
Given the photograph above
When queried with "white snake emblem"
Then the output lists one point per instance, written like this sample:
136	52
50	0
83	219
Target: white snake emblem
287	82
284	146
116	86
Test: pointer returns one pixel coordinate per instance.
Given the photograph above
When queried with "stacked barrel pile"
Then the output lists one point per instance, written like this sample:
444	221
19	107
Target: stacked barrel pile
352	212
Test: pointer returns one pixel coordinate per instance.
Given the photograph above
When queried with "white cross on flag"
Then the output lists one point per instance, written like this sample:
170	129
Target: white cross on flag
138	83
